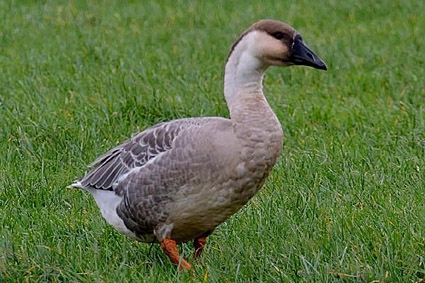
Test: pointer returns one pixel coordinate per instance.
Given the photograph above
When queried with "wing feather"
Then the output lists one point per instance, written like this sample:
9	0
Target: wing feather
136	152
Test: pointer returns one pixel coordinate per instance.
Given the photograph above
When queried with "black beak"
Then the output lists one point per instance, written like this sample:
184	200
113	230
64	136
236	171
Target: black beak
302	55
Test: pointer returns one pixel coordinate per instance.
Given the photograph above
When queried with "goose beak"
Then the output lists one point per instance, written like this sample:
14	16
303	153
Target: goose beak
302	55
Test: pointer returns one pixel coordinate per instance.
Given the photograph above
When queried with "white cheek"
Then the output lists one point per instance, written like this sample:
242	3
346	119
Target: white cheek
266	47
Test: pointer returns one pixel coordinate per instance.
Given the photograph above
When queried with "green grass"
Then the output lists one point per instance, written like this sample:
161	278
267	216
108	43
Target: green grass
345	203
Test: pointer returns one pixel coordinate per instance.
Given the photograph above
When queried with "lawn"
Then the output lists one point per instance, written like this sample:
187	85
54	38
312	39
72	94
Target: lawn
345	203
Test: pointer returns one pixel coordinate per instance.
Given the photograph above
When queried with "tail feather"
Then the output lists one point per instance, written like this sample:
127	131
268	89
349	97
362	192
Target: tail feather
76	185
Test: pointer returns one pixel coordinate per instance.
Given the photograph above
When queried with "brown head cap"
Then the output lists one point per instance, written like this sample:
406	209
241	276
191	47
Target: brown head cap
274	28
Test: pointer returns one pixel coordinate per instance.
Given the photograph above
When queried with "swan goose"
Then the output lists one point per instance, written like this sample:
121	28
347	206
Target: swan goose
177	181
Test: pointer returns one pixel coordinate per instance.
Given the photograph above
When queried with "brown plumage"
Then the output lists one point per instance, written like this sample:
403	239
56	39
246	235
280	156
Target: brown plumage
179	180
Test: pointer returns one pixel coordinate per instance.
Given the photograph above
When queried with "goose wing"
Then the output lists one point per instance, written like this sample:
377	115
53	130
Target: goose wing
135	152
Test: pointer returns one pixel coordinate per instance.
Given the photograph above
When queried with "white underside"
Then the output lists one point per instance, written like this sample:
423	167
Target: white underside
108	202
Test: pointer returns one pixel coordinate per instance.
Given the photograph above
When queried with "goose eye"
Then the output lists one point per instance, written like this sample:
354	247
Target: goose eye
278	35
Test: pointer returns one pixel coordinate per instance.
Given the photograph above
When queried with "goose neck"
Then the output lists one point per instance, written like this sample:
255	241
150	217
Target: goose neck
243	79
243	91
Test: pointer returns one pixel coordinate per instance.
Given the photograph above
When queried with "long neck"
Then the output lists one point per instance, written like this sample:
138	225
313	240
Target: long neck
254	123
243	79
243	91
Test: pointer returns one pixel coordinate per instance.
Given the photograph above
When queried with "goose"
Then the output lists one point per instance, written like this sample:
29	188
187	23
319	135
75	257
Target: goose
177	181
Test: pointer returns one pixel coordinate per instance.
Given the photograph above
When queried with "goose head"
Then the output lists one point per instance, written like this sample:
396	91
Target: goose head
273	43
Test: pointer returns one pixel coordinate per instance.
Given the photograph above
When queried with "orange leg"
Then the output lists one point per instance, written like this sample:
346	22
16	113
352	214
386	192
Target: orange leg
199	244
170	248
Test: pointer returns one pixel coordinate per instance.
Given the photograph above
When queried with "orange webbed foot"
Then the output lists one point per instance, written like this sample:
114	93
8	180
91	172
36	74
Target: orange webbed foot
169	246
199	244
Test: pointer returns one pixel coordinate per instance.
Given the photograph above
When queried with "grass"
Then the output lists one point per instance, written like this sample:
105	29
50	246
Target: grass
345	203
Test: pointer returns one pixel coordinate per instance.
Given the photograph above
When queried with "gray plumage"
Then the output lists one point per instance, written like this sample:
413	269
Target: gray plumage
179	180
